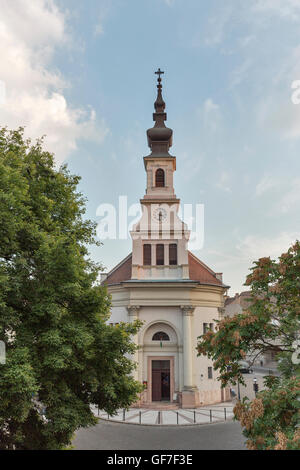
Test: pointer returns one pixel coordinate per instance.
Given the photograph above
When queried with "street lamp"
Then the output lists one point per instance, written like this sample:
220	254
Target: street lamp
255	385
239	392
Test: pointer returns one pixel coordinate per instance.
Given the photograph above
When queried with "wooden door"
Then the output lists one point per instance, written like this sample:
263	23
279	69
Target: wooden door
156	385
165	385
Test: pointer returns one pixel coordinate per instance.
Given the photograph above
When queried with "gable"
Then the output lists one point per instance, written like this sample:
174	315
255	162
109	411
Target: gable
198	271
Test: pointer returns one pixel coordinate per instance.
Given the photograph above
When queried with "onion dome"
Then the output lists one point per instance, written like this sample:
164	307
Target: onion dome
159	136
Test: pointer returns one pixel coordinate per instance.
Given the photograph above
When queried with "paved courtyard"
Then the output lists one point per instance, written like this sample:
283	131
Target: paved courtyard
204	415
113	435
107	435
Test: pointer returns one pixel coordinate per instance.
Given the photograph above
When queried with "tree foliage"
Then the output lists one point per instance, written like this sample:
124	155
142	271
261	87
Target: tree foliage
271	420
271	322
61	354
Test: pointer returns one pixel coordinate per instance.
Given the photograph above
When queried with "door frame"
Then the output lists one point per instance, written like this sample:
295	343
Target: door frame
172	376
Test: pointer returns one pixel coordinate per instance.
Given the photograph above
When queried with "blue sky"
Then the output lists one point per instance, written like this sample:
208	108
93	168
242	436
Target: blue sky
82	73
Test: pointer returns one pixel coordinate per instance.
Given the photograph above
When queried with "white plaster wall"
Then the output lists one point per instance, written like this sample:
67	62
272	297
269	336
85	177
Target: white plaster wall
118	314
171	315
201	364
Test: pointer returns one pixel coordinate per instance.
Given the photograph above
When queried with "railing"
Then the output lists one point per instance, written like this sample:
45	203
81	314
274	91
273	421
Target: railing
214	415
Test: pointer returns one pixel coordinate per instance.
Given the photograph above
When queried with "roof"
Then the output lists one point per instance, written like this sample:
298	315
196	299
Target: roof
242	299
200	272
121	272
197	269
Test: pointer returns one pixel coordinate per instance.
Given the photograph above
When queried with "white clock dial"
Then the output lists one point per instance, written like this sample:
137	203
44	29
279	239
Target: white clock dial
159	214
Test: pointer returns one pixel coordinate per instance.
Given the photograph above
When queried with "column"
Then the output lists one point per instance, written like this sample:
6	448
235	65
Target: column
133	314
153	255
166	254
189	392
187	312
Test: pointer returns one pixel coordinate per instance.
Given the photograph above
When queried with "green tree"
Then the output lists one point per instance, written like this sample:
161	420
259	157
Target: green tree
61	354
271	322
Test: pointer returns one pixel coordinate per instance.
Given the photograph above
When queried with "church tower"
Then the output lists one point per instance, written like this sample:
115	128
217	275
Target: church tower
174	294
160	238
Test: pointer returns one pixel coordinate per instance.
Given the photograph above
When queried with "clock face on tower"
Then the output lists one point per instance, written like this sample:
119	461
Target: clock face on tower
159	214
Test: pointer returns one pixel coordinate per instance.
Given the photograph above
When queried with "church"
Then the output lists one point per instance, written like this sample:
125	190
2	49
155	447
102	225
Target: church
163	284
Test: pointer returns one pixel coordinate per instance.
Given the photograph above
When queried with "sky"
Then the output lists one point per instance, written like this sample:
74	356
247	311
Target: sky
82	74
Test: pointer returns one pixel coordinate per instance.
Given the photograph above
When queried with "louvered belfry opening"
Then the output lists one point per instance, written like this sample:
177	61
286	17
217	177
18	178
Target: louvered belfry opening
160	259
147	255
173	254
159	178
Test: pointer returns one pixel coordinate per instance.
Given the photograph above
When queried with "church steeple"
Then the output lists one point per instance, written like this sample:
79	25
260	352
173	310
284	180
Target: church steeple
159	136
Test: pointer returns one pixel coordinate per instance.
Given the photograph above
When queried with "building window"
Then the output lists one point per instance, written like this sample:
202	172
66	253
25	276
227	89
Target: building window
208	327
160	336
147	255
159	365
173	254
160	255
159	178
210	372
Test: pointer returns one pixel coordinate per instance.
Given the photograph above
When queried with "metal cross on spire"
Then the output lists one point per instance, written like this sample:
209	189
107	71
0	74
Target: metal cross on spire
159	73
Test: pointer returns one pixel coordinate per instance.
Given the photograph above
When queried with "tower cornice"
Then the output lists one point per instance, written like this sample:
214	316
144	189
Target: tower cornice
160	158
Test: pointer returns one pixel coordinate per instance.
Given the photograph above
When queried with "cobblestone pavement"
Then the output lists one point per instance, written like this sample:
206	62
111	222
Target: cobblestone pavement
204	415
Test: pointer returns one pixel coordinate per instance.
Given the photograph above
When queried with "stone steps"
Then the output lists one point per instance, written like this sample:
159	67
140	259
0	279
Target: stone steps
161	406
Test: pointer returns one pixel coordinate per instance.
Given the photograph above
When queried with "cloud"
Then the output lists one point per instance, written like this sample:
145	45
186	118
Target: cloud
237	260
254	247
99	27
30	33
241	72
191	163
2	92
291	199
169	2
210	106
278	114
105	7
211	115
216	25
276	111
239	15
264	185
289	9
224	182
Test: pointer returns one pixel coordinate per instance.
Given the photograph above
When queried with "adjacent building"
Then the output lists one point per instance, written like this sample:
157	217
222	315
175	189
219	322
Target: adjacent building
237	305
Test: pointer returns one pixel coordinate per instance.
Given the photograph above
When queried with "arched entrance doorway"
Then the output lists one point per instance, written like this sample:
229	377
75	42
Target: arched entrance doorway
160	347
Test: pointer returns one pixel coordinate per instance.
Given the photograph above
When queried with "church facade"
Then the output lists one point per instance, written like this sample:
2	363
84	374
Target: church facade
174	294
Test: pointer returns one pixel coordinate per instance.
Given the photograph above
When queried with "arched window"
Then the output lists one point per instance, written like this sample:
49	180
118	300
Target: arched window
160	336
160	255
147	255
173	254
159	178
